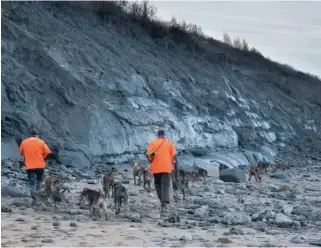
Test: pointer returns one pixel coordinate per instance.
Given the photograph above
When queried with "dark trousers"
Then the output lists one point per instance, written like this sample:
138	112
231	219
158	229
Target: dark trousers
162	184
35	176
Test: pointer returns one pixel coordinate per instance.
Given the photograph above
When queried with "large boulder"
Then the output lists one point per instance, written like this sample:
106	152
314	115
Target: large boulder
9	149
13	191
74	159
233	175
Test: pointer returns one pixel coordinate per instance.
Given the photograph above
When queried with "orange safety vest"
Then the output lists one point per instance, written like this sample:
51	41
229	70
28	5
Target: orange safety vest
164	158
34	151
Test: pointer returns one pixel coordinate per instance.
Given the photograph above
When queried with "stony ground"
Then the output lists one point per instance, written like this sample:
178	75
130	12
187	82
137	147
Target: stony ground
283	210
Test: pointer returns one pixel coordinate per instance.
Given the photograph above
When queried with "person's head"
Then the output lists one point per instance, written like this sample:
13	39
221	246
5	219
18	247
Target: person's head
161	133
34	132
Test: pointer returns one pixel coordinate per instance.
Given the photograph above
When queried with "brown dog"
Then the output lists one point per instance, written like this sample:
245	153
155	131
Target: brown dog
138	171
53	191
181	183
94	199
108	180
199	172
120	196
264	165
283	166
254	171
148	177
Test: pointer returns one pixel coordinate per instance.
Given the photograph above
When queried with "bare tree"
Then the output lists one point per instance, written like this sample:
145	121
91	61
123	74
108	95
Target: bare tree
237	43
227	39
245	46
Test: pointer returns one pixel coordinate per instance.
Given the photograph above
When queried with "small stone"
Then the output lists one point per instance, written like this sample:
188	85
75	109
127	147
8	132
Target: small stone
20	219
186	237
297	223
157	239
298	240
90	181
47	241
56	223
74	224
237	231
34	228
183	227
165	224
35	235
236	218
273	232
224	240
133	217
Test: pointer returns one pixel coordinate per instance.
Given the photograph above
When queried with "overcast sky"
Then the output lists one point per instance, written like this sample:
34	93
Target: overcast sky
287	32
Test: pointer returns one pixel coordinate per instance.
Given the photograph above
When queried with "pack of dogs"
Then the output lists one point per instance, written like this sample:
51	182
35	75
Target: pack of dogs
54	190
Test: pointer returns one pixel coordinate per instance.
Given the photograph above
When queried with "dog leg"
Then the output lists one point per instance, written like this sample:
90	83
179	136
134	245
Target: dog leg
139	179
118	206
55	207
149	187
91	211
184	193
105	209
65	206
250	177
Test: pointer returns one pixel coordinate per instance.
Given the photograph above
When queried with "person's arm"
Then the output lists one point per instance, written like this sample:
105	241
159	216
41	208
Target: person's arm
174	159
21	148
46	150
148	151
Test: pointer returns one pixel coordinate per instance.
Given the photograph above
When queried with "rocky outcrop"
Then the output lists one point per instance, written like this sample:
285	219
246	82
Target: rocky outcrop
98	94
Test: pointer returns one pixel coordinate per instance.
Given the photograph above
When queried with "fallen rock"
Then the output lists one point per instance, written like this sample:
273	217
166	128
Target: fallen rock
47	241
233	175
283	220
224	241
73	224
9	149
133	217
202	212
56	223
5	209
281	175
287	209
13	191
236	231
74	159
20	219
36	235
236	218
298	240
186	237
316	242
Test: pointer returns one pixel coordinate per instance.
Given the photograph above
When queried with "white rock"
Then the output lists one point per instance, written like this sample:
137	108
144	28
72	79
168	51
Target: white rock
287	209
283	220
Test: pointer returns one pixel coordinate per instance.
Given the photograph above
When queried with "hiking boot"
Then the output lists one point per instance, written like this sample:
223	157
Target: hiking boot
33	194
39	186
164	209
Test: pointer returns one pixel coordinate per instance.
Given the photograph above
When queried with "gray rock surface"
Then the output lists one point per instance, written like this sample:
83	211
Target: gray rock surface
98	94
233	175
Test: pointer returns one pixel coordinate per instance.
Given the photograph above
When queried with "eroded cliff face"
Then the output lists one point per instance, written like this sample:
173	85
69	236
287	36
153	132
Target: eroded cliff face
98	94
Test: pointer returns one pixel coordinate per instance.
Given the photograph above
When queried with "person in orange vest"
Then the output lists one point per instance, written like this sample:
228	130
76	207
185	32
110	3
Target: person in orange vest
35	151
161	153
